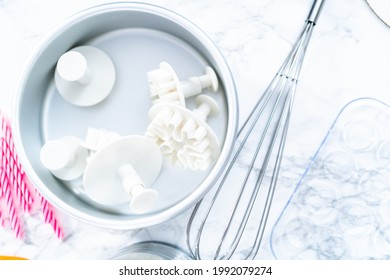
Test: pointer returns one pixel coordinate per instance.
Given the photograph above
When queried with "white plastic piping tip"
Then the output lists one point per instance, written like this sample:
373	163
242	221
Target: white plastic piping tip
84	76
64	157
121	171
165	85
183	135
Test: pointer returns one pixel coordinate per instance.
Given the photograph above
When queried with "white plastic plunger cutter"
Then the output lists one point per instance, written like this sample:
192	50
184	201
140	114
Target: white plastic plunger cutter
165	85
64	157
207	107
73	67
98	138
122	171
183	135
142	199
84	76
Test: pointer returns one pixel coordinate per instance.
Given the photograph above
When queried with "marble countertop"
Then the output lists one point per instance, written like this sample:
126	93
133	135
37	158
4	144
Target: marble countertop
347	58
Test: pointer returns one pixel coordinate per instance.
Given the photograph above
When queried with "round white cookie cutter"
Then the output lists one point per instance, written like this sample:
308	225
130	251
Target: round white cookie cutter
122	170
84	76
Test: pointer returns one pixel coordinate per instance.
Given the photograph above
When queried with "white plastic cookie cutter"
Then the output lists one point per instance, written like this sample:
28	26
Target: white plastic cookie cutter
64	157
165	85
183	135
122	171
84	76
98	138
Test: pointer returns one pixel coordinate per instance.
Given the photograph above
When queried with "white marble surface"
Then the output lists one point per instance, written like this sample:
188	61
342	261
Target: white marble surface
347	58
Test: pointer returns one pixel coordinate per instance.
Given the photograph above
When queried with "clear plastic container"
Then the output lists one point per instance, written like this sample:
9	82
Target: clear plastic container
340	208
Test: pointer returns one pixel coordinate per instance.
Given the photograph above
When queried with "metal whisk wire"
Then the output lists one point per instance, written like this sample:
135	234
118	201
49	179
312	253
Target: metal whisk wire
266	126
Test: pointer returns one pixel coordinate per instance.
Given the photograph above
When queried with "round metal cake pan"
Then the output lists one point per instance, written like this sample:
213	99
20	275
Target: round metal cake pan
137	37
151	250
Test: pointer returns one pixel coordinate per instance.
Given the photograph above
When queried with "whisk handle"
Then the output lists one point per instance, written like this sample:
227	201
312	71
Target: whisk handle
315	11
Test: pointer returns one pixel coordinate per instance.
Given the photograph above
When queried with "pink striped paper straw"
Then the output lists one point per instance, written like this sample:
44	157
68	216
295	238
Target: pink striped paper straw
14	175
2	185
16	189
12	210
49	217
1	200
47	210
1	218
6	183
14	169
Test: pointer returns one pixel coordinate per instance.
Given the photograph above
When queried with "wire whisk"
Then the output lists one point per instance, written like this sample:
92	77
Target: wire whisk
242	198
